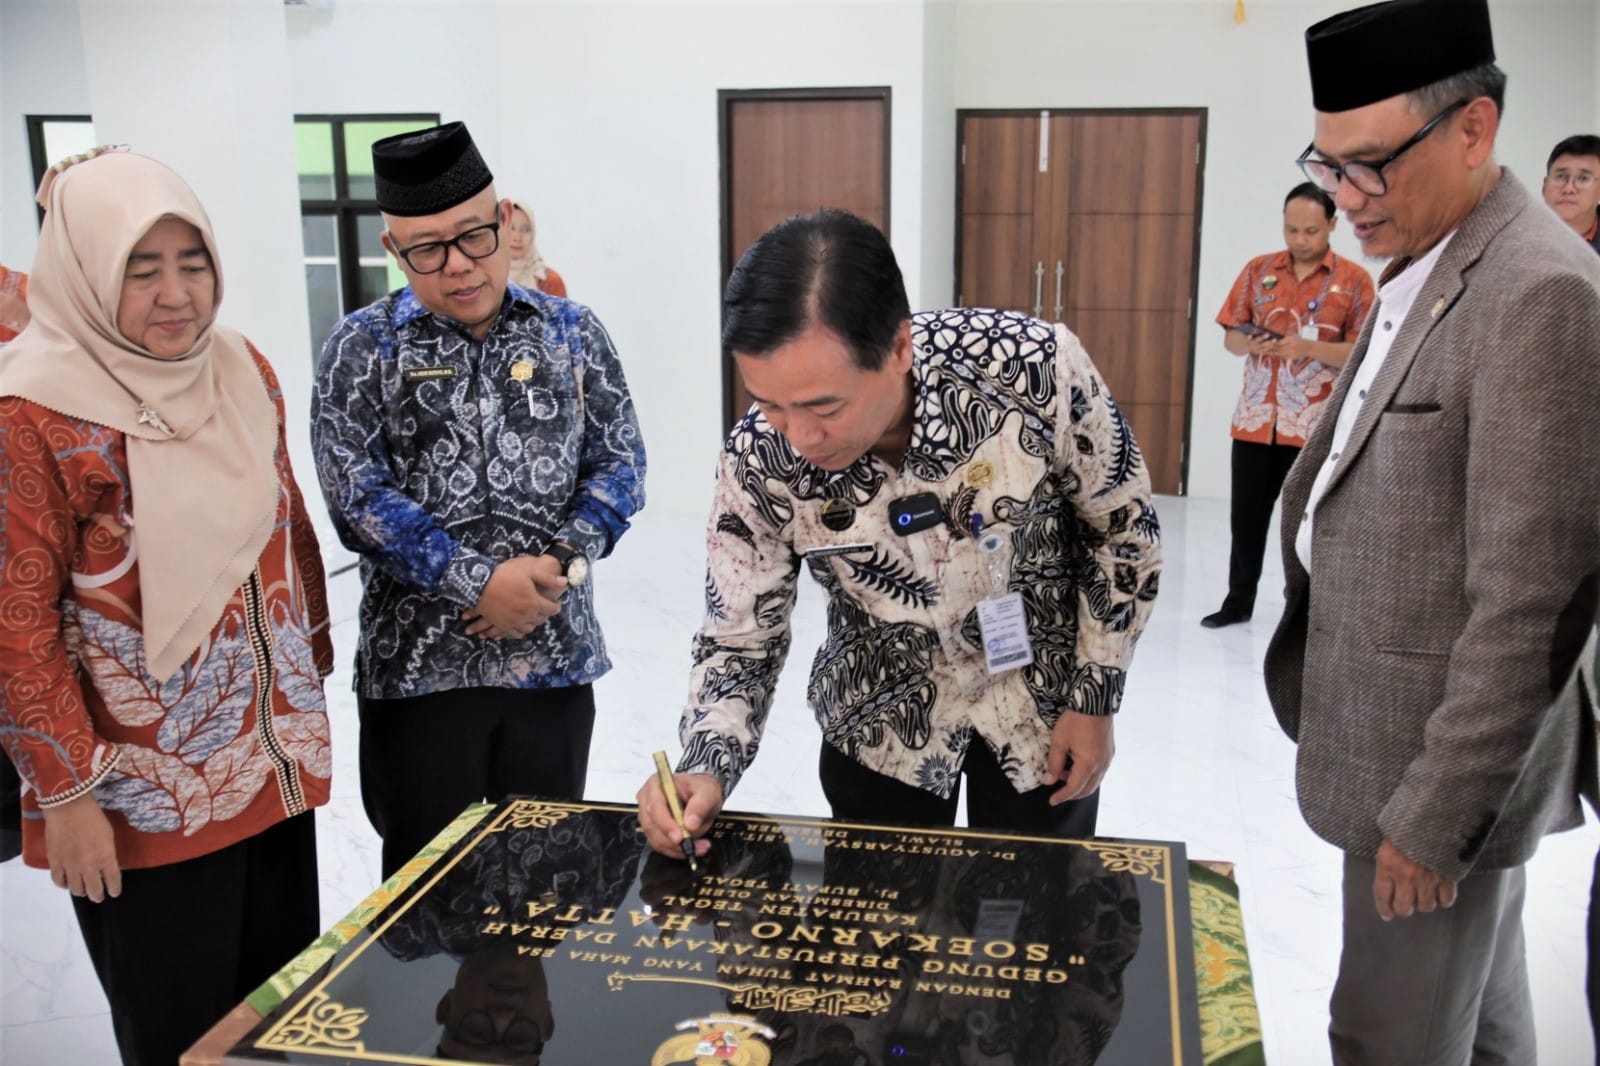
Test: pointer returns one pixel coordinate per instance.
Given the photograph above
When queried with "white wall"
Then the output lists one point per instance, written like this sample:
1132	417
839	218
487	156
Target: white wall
207	93
940	50
1253	80
610	131
41	73
399	57
603	115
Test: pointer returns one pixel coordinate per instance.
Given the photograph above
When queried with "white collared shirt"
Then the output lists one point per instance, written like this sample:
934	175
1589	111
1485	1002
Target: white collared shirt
1394	304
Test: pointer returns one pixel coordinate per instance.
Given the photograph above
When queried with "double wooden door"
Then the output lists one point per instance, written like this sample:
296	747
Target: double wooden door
1091	218
791	151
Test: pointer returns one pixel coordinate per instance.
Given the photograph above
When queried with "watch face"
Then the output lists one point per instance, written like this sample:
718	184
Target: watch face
578	569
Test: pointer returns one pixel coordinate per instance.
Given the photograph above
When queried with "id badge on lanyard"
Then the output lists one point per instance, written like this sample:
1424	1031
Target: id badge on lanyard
1002	616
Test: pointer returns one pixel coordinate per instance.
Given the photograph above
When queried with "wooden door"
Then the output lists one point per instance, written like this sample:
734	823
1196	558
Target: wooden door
1112	233
790	152
1003	195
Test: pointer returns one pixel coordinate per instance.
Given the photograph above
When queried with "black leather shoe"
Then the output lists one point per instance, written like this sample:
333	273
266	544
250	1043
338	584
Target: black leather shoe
1225	617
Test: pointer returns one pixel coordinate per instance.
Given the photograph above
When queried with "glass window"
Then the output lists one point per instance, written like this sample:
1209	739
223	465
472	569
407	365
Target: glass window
345	261
380	271
322	298
52	138
313	153
320	235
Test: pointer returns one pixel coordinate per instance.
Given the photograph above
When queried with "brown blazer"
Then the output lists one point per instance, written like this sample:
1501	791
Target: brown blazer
1428	666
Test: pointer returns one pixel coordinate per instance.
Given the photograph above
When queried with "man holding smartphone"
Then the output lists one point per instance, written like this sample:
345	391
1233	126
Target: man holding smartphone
1294	316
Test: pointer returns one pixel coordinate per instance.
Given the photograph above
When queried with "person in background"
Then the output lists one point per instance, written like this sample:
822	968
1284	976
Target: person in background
1294	316
1572	189
13	303
13	318
528	267
1572	185
166	626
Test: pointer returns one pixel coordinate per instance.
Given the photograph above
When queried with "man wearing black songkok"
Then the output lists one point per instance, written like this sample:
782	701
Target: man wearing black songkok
1441	544
478	447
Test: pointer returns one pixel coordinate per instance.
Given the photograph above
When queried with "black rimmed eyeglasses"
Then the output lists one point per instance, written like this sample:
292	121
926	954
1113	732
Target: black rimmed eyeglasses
479	242
1367	177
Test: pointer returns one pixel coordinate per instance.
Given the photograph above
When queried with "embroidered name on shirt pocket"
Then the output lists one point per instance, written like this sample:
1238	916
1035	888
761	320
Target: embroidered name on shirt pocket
413	375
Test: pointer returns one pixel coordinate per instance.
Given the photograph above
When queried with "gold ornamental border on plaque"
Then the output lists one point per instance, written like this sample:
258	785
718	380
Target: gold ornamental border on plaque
1138	860
324	1025
532	814
308	1029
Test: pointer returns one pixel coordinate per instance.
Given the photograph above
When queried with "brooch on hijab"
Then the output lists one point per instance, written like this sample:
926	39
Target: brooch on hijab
149	417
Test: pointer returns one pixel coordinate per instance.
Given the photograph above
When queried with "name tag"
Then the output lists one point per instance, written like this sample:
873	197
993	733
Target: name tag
1004	623
428	373
1309	332
828	551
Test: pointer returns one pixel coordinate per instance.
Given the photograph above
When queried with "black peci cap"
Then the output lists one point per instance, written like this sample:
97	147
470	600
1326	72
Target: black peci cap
428	171
1372	53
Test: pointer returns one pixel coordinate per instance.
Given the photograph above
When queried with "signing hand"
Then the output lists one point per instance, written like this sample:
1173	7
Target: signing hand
521	595
1403	887
81	850
702	802
1085	742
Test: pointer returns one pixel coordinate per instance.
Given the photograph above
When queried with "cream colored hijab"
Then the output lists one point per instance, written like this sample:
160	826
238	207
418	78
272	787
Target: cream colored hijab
529	272
200	460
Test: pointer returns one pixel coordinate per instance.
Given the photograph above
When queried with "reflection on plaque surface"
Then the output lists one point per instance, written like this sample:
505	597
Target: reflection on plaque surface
552	935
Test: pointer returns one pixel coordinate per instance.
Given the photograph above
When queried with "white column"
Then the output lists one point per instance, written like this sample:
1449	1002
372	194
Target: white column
204	87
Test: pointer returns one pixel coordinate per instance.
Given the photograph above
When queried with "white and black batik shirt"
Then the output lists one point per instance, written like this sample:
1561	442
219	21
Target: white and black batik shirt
1013	423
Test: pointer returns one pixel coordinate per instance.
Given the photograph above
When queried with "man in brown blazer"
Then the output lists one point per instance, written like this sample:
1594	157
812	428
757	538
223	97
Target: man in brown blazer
1441	544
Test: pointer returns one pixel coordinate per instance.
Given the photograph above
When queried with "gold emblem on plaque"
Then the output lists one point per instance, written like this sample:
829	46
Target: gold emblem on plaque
735	1039
521	370
980	473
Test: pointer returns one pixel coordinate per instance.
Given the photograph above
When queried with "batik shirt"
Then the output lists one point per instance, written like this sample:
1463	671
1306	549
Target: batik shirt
234	742
442	456
1012	423
1282	398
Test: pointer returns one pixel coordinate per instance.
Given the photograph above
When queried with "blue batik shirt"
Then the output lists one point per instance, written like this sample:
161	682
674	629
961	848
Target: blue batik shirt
442	456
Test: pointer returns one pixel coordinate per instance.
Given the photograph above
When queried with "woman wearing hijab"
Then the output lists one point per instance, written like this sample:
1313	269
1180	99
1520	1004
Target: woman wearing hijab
528	268
163	620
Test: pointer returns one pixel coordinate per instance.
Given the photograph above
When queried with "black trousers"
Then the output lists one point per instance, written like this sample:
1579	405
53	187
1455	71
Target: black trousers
185	943
1258	473
425	758
858	794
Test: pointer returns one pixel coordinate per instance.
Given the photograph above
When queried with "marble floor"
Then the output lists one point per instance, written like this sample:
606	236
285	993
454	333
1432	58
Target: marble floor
1199	759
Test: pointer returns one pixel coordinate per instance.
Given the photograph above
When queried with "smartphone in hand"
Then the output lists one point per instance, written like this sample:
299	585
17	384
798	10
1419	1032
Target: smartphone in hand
1250	329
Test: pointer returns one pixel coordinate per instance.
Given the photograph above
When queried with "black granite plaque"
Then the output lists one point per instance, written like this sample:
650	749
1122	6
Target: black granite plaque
552	934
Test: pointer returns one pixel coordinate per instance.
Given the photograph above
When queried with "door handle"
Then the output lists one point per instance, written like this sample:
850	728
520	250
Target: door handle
1038	288
1059	271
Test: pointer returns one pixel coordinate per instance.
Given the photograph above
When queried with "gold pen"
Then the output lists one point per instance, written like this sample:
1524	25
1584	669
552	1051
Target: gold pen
669	787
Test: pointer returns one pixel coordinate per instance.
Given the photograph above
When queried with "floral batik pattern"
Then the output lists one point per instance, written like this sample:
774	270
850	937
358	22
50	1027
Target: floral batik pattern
1014	428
